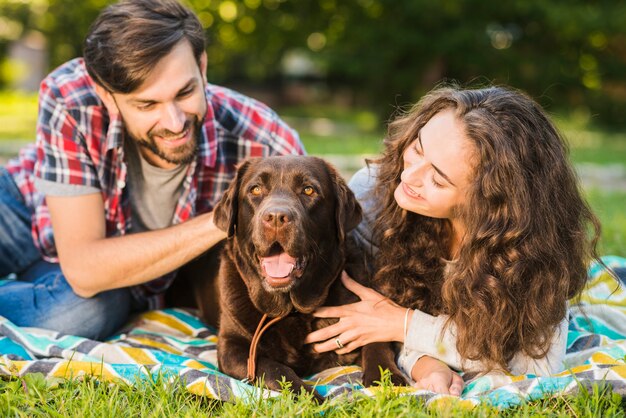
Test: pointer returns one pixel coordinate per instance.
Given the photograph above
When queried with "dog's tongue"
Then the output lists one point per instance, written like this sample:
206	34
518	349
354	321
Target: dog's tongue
279	265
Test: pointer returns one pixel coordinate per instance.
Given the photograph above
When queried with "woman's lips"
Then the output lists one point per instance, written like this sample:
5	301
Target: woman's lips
410	192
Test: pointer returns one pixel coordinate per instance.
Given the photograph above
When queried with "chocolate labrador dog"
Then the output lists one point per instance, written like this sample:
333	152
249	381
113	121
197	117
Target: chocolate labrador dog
287	220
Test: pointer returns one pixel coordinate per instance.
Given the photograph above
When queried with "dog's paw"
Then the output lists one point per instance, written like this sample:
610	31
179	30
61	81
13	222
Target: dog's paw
398	379
317	398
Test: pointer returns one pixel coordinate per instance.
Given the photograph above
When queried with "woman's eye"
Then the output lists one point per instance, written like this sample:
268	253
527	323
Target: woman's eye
308	190
436	184
255	190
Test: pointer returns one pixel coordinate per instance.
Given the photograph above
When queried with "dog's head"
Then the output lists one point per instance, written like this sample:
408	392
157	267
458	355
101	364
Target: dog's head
287	217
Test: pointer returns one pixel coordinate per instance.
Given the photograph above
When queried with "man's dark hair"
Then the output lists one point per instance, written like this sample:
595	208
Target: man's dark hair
128	38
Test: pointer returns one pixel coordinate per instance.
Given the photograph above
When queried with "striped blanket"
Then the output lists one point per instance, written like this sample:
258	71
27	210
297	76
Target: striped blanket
175	343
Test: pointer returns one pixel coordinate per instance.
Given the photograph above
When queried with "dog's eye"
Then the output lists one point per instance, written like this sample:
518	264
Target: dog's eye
308	190
255	190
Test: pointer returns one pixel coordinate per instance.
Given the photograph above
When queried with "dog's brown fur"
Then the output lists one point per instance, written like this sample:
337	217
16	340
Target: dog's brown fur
267	210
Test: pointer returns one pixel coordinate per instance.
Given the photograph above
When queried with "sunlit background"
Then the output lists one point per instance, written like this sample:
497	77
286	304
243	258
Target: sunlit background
375	54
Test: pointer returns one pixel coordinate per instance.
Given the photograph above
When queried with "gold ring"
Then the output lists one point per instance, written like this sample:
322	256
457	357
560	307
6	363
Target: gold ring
338	342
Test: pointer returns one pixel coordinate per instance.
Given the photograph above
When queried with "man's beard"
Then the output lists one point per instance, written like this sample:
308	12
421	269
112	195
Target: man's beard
183	154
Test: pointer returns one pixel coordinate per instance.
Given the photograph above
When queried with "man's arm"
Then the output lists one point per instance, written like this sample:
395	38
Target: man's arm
93	263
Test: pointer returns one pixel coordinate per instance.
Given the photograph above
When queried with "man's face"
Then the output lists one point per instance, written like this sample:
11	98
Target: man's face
165	114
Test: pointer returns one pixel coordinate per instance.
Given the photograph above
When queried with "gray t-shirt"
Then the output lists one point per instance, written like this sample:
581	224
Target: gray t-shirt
51	188
154	192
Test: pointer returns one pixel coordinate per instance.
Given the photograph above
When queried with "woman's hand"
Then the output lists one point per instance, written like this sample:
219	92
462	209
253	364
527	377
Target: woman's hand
434	375
373	319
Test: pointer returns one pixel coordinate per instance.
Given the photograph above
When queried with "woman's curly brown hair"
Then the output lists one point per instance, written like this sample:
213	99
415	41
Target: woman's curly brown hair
527	243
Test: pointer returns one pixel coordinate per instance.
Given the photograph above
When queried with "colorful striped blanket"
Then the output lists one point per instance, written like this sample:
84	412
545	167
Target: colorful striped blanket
175	343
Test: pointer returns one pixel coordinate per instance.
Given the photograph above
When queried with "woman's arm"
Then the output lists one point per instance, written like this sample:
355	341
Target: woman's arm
426	336
376	318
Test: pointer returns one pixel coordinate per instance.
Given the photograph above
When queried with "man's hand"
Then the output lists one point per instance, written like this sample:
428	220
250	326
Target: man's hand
373	319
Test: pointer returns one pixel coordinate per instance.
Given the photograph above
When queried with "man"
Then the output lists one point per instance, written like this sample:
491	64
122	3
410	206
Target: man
133	151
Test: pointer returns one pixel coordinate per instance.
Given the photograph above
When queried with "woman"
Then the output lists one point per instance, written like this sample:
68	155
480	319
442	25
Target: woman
478	235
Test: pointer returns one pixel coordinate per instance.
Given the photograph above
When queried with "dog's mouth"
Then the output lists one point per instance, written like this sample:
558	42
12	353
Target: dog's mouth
279	268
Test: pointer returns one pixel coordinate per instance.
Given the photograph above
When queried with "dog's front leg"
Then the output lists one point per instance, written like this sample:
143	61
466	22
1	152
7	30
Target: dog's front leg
381	355
232	356
273	372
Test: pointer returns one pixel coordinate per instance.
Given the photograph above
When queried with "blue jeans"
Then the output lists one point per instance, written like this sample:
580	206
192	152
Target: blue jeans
37	293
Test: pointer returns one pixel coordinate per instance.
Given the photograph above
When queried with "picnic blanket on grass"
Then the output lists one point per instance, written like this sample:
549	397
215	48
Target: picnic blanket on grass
175	343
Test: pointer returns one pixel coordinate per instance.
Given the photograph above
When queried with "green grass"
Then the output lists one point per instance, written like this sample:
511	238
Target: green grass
593	145
32	396
364	144
335	130
609	207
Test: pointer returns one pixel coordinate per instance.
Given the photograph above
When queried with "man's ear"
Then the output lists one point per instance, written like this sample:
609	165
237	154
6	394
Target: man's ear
203	66
107	99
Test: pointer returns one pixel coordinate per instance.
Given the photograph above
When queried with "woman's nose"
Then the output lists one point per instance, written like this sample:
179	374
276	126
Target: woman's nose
413	173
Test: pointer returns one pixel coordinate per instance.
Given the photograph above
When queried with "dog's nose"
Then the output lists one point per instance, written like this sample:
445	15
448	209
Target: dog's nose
277	217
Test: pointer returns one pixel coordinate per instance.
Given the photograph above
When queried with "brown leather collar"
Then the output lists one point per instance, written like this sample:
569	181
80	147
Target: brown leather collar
260	329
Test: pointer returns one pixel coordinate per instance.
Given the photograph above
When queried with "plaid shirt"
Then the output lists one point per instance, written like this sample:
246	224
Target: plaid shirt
79	143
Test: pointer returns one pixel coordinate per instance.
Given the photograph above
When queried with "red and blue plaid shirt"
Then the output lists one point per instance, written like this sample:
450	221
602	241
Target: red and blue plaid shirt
79	143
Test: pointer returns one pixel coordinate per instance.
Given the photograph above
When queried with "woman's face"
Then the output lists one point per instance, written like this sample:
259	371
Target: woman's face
437	167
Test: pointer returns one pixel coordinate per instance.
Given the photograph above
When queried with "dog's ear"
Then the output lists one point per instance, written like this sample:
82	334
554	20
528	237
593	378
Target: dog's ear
225	212
348	213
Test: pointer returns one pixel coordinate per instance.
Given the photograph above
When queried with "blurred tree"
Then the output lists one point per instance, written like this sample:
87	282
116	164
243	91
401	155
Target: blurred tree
15	17
570	52
384	53
65	24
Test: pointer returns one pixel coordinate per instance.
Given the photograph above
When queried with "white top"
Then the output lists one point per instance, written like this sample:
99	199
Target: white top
425	337
425	334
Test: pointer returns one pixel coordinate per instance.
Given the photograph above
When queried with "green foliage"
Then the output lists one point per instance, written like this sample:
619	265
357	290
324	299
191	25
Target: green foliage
65	23
570	54
567	53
